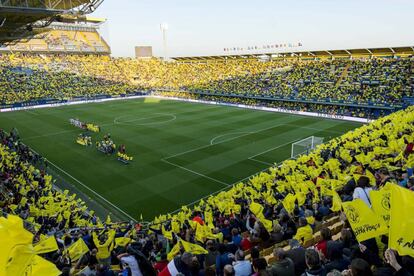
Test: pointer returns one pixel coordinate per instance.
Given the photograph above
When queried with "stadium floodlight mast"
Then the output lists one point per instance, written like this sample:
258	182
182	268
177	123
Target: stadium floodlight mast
164	29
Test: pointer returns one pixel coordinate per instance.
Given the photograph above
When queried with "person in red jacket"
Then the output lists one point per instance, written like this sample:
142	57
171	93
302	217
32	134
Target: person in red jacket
245	243
409	148
161	264
322	245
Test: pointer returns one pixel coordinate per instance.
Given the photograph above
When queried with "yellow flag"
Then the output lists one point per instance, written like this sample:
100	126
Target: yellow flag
122	241
193	248
40	266
336	202
201	232
344	154
401	235
256	209
174	251
46	245
304	234
16	246
175	226
77	249
289	203
19	259
380	201
371	177
364	222
166	234
301	198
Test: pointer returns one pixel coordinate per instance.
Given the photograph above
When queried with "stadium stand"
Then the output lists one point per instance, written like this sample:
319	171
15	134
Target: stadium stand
25	19
63	38
247	227
343	209
362	87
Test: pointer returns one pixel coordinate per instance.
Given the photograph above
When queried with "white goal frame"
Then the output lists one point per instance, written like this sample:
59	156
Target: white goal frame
308	144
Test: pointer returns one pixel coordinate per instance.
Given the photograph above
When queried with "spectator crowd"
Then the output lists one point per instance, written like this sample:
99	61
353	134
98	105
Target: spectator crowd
311	85
343	209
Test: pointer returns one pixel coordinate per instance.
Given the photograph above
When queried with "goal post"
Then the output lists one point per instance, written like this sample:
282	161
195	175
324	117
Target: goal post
305	146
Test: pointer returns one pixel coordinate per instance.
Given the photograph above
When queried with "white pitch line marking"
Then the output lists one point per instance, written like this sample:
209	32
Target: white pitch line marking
279	146
225	140
197	173
227	134
49	134
260	161
89	189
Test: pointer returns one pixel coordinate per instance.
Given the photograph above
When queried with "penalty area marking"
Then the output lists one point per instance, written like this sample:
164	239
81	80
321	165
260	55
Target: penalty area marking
260	153
227	134
118	120
225	140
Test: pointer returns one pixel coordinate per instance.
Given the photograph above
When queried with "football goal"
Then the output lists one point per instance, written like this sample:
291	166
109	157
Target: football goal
305	146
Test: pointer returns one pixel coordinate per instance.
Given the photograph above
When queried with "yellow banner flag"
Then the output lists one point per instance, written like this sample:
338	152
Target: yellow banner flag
364	222
401	235
40	266
372	179
122	241
166	234
380	201
289	203
336	202
47	245
201	233
193	248
174	251
301	198
77	249
16	246
257	210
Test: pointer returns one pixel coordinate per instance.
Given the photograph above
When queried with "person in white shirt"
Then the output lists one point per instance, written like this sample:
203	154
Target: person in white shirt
132	263
362	190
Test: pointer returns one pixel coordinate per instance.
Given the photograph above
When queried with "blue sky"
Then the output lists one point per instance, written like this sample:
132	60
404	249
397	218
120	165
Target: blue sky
207	27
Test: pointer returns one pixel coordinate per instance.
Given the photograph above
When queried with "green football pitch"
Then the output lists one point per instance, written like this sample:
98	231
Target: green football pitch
182	151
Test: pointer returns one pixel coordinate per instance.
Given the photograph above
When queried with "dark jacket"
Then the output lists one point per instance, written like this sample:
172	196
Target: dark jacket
284	267
315	271
297	255
338	264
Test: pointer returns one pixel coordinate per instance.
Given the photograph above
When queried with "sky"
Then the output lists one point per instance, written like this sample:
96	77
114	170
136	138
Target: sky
207	27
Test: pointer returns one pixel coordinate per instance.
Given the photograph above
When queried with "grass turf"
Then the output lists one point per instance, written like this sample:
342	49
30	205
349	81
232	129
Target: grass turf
182	151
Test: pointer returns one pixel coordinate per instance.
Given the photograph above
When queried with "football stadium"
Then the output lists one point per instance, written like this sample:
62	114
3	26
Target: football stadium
256	160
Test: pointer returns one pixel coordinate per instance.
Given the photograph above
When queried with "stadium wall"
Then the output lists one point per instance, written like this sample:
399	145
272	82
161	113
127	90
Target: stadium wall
105	98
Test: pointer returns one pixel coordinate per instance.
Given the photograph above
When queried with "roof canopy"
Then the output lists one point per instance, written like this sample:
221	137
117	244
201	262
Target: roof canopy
22	19
363	52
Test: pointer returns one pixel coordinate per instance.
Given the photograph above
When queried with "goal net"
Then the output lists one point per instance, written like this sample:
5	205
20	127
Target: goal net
305	146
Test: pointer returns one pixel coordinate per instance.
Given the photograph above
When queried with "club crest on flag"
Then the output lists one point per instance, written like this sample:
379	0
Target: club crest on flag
385	202
352	214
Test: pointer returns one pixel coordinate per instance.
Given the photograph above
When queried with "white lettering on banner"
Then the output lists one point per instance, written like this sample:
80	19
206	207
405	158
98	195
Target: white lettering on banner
332	116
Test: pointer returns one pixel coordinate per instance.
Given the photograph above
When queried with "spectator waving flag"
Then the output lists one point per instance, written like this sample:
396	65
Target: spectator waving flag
401	235
47	245
364	222
381	203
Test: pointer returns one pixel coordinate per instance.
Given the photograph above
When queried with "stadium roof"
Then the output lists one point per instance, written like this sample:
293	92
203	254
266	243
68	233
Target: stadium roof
390	51
21	19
